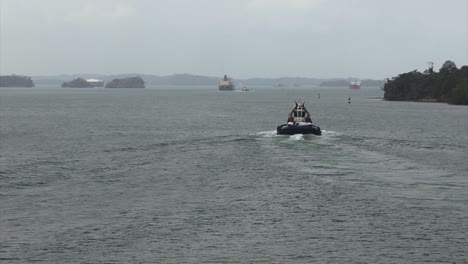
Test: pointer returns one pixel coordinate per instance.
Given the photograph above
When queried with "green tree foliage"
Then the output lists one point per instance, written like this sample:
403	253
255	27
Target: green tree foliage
448	66
459	95
77	83
450	85
16	81
131	82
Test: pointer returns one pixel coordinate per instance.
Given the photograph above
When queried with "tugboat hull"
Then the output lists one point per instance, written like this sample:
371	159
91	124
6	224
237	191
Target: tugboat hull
287	129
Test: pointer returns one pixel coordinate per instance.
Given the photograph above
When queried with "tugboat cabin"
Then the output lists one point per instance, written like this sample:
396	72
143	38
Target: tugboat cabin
299	114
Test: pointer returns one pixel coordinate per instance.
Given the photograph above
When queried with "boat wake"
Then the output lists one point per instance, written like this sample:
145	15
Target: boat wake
326	134
330	133
267	134
296	137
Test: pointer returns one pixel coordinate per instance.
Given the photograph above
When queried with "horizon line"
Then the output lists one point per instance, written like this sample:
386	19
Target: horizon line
210	76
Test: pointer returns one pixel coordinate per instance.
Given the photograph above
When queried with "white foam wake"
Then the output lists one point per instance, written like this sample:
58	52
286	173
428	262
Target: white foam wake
271	133
330	133
326	134
297	137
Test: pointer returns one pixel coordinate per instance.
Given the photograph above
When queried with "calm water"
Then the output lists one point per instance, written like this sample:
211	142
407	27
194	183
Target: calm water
193	175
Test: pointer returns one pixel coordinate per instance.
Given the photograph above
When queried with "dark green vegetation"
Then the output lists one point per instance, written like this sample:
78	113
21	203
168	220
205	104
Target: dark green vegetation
16	81
130	82
77	83
449	85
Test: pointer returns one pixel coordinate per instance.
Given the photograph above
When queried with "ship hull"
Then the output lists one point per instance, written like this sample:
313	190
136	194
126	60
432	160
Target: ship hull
355	85
226	88
287	129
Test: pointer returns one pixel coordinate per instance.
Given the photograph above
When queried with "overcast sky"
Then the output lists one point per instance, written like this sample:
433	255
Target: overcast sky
242	38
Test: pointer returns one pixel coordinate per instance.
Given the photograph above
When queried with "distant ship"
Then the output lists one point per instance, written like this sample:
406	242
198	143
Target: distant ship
244	87
95	82
226	84
355	85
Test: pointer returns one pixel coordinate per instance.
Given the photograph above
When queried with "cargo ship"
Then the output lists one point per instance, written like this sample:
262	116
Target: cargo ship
226	84
355	85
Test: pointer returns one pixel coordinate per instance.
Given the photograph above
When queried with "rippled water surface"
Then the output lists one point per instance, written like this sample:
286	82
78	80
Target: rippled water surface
194	175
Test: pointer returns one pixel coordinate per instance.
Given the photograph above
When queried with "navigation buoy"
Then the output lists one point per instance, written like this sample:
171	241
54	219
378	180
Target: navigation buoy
349	100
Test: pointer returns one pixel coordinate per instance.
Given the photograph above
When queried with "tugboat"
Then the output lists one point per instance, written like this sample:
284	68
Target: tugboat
299	122
244	87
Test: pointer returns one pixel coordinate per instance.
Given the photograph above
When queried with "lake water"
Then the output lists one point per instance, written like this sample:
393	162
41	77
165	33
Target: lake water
194	175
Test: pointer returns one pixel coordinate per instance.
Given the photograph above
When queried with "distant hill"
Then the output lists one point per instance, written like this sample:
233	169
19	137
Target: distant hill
186	79
181	79
77	83
59	79
129	82
283	81
345	82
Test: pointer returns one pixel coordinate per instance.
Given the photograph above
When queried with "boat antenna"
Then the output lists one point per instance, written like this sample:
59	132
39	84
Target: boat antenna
430	66
298	102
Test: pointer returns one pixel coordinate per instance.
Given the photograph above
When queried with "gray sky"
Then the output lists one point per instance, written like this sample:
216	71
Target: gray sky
243	38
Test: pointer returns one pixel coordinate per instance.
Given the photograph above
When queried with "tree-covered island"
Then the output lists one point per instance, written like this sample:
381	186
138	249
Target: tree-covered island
449	85
77	83
16	81
130	82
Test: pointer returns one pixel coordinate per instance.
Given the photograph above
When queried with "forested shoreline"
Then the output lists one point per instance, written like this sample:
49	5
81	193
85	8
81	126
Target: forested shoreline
130	82
449	85
16	81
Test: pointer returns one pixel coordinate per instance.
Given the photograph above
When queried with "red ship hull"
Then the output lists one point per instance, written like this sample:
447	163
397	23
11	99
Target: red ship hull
355	85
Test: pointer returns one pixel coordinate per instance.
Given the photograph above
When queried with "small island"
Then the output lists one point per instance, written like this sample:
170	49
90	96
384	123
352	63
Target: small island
449	85
16	81
77	83
130	82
